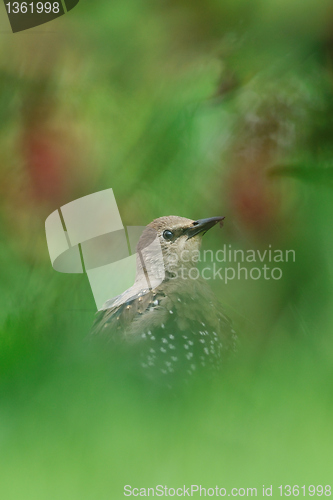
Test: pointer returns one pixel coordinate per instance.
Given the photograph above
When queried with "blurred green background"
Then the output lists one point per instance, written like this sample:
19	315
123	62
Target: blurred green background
184	108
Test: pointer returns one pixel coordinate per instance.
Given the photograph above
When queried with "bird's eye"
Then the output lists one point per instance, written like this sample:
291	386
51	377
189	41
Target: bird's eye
167	235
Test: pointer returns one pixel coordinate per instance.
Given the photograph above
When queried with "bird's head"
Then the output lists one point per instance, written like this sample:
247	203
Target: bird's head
172	242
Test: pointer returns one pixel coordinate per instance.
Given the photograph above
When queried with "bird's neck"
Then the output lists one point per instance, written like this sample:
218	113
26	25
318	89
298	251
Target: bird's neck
152	272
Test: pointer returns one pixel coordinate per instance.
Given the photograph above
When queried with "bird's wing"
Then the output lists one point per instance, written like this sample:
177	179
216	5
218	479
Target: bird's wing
179	310
185	309
115	320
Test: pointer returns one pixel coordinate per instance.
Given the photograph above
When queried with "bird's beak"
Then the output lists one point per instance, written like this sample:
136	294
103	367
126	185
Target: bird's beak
202	226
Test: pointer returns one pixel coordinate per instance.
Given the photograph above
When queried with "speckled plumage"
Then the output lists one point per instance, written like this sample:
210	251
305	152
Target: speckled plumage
179	325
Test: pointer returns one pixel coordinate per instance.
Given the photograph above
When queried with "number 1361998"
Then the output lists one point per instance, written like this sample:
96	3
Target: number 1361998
32	7
312	491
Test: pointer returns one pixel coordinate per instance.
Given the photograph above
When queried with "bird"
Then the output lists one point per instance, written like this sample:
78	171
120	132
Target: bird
170	314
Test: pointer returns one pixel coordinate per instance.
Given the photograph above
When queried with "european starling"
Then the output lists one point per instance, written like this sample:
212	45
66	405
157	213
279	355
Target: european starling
170	313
